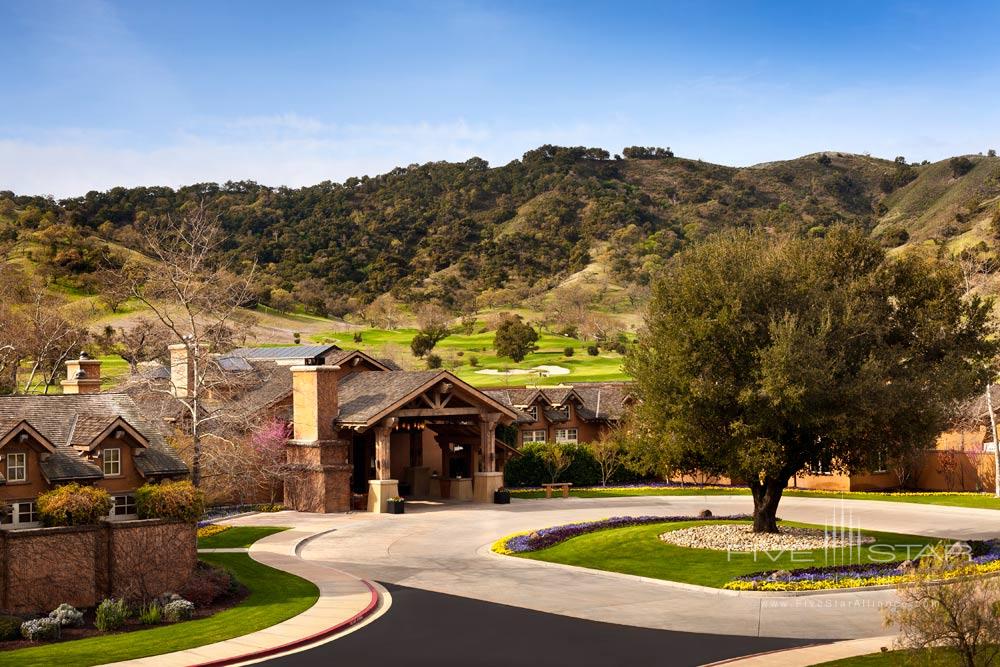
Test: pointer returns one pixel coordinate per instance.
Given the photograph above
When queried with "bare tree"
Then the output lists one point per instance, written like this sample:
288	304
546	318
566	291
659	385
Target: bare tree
959	617
47	341
609	452
195	294
144	341
384	312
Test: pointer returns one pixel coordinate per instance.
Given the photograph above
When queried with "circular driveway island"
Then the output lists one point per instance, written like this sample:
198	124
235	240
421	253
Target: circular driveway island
444	548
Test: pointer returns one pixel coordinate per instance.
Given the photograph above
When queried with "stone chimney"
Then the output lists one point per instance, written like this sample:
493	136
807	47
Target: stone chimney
83	376
181	370
314	402
322	481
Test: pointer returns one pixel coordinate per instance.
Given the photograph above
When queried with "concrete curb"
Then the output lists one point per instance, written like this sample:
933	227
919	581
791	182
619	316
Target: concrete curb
353	607
722	592
813	654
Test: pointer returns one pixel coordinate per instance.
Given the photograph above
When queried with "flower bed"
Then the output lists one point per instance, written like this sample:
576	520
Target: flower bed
857	575
533	540
211	529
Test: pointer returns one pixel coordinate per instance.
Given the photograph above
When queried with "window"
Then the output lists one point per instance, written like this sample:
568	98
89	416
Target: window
566	435
22	515
123	505
533	436
17	467
533	411
822	465
112	459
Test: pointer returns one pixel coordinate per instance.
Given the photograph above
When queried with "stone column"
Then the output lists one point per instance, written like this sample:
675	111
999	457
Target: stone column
316	453
489	480
382	488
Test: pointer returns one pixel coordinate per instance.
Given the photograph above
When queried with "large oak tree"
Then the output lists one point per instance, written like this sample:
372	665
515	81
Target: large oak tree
763	354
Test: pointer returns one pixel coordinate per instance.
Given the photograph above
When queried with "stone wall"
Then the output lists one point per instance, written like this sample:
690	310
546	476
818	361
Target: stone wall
40	568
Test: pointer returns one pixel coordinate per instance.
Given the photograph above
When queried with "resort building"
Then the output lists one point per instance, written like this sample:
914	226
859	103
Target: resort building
87	437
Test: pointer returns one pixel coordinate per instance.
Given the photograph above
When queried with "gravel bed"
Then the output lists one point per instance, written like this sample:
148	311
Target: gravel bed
740	537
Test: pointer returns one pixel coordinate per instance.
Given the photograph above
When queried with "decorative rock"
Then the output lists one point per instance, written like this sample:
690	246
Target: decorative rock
906	566
779	575
740	537
705	514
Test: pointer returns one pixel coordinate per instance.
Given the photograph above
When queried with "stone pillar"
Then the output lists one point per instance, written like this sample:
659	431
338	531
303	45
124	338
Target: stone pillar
382	488
83	376
321	481
489	480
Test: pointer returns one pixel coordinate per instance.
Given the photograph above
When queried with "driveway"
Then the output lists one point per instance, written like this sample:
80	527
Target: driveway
443	548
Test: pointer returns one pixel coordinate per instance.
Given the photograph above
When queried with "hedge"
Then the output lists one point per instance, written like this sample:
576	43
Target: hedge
73	505
170	500
528	469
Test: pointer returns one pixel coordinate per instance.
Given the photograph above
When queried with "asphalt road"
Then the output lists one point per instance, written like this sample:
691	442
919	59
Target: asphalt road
435	629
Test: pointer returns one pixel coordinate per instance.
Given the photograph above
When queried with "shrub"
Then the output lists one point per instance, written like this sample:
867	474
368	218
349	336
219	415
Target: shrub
473	360
824	160
528	469
568	352
10	628
67	615
40	629
960	166
177	610
357	337
207	584
111	614
73	505
170	500
433	361
151	614
593	350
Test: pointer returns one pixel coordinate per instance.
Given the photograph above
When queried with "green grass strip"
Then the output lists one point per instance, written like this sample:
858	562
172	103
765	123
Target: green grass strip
950	499
237	537
638	550
275	596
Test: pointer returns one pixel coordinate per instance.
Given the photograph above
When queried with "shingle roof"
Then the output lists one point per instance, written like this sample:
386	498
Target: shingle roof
65	419
598	400
278	353
364	395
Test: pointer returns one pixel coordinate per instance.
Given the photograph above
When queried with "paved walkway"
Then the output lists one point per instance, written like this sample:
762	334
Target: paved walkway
812	655
344	600
444	548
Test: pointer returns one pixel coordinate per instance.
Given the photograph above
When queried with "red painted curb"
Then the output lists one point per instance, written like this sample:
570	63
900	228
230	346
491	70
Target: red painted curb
298	643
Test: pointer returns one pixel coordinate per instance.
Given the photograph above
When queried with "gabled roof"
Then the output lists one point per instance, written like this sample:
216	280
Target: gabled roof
597	401
56	418
366	397
11	428
91	430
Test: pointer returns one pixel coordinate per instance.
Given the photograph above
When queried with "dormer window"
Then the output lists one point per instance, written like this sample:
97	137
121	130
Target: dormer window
112	461
533	411
17	467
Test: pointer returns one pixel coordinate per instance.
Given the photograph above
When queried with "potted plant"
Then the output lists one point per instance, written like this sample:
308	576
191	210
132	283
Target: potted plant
501	497
397	505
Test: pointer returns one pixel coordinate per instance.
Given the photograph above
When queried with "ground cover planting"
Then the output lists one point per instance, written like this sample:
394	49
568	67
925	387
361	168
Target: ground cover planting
632	545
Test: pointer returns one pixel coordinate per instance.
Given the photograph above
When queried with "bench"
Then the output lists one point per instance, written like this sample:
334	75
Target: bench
563	485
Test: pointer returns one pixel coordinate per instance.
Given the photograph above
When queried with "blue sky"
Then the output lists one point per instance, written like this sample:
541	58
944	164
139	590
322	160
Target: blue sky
97	93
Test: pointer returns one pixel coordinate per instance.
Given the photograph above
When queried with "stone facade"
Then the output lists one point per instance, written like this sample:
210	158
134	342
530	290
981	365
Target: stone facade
42	568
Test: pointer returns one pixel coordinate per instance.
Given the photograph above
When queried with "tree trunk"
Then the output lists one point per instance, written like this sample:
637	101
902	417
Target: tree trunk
765	505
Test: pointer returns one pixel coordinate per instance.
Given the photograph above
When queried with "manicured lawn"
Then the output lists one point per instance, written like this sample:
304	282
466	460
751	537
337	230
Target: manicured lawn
972	500
237	537
274	597
638	550
457	350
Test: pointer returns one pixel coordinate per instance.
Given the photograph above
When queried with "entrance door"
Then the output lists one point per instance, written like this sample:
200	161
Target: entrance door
360	457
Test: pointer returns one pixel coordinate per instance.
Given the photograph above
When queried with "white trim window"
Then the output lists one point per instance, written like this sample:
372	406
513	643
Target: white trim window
533	436
17	467
23	514
568	435
123	507
111	460
533	411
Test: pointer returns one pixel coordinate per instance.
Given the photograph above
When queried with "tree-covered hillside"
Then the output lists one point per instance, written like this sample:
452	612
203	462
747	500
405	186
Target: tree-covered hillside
452	232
